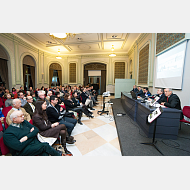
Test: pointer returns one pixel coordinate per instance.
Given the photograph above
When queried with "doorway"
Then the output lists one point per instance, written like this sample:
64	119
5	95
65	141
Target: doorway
95	74
95	81
55	75
29	72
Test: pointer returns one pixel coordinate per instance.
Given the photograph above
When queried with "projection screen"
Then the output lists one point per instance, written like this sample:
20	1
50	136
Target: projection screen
169	69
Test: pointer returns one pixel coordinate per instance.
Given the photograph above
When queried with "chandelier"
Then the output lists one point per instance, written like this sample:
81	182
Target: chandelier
112	54
62	36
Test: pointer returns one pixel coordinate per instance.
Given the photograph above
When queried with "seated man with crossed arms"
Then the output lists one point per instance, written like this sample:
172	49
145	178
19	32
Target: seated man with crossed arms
20	138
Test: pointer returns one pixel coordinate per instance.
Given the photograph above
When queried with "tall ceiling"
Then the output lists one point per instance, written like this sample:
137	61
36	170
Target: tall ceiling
82	43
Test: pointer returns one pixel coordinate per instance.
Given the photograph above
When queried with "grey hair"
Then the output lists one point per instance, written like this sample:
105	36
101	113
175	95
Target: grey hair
49	92
15	101
41	92
170	89
15	114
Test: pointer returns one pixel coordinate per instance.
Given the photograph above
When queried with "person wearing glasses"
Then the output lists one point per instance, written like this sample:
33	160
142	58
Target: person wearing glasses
16	107
21	138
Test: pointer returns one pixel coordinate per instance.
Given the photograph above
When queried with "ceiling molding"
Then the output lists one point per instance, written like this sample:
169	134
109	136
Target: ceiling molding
125	40
102	40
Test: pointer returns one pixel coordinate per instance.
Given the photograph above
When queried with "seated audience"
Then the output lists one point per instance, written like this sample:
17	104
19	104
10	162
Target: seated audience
49	93
57	94
20	138
1	93
29	106
84	108
7	92
86	99
33	96
17	106
69	104
56	113
14	91
9	101
171	100
22	98
41	96
16	94
22	90
31	90
46	128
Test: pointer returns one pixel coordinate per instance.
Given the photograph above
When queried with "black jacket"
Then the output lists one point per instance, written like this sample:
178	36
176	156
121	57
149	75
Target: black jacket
54	114
140	93
28	108
162	97
173	102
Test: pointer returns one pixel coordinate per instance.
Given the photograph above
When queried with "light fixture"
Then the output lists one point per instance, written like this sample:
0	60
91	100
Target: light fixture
112	54
58	57
62	36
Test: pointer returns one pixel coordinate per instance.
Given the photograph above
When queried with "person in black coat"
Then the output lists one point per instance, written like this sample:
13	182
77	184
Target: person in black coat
135	90
56	113
171	100
140	92
160	94
84	108
29	106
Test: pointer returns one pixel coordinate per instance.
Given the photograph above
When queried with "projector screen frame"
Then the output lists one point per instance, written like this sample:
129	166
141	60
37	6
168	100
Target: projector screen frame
162	81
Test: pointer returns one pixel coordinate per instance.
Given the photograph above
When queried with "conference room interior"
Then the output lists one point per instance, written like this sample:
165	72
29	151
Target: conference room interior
152	60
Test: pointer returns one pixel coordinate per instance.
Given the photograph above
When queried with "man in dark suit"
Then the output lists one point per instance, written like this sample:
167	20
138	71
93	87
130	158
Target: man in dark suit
171	100
135	90
140	92
160	94
29	106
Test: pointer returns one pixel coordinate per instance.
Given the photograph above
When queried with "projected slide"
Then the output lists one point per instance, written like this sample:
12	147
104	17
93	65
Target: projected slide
171	66
169	69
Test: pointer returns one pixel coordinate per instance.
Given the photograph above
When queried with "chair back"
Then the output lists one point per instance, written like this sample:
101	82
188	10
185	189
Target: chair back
186	111
3	147
5	110
1	127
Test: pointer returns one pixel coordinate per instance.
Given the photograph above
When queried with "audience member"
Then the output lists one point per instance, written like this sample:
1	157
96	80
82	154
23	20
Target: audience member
22	98
46	128
16	95
56	113
86	99
17	106
29	106
9	101
1	93
20	138
41	96
49	93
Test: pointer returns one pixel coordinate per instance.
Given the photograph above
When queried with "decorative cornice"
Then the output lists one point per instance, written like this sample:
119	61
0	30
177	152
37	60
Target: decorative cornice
137	42
124	42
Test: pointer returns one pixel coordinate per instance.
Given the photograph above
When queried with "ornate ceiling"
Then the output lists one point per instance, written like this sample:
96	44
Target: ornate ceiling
82	43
